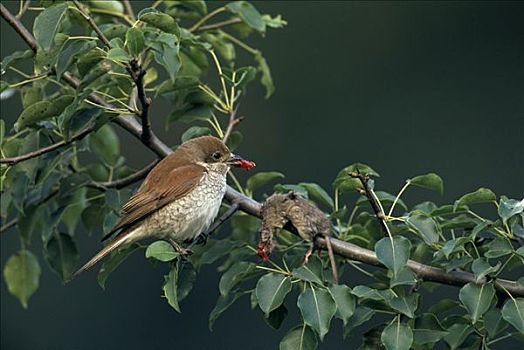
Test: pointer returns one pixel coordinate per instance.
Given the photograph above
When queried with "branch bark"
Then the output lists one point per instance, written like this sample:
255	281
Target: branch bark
126	181
252	207
373	200
78	136
233	121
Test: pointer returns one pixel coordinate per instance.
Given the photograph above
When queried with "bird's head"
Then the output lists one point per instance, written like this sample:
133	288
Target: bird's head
212	152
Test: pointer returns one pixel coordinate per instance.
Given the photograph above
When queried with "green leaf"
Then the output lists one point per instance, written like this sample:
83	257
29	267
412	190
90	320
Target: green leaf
195	131
249	14
35	113
498	247
159	20
13	58
235	275
397	336
69	52
318	193
482	195
345	301
509	207
274	22
406	304
513	312
47	24
427	330
135	41
311	272
393	254
403	277
186	279
61	254
111	264
425	226
345	183
260	179
481	268
22	274
162	251
266	79
113	5
271	290
117	54
494	323
454	245
234	140
170	288
223	303
317	307
477	299
299	338
430	181
105	143
276	317
457	334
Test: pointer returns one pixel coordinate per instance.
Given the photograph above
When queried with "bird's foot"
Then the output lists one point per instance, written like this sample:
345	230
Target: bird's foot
184	252
201	239
308	253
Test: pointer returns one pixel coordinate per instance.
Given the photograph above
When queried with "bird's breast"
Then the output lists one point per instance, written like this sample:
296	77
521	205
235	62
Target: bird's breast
192	214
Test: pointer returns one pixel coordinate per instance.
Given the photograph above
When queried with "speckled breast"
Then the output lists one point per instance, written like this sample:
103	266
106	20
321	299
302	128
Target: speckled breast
192	214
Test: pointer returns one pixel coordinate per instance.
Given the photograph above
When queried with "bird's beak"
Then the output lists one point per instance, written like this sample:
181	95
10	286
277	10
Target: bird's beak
239	162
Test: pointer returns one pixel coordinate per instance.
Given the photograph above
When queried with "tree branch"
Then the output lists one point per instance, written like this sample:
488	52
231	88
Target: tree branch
252	207
137	74
78	136
18	27
373	200
126	181
92	23
233	121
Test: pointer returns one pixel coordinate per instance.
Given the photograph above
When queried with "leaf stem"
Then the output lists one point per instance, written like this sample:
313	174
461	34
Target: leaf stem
406	185
206	18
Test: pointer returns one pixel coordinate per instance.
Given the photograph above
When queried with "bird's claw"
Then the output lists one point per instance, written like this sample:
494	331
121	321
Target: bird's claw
201	239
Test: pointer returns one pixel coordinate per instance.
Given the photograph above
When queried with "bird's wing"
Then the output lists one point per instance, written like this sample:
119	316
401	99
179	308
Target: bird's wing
157	192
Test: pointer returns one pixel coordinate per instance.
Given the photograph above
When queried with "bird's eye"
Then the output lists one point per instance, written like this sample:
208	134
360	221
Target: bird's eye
216	155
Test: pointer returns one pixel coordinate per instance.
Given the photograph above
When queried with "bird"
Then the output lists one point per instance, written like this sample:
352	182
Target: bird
179	198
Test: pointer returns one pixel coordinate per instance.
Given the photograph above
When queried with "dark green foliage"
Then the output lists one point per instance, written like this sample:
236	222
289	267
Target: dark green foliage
63	193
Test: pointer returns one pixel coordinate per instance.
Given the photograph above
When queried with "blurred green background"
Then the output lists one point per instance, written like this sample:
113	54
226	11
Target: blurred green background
407	87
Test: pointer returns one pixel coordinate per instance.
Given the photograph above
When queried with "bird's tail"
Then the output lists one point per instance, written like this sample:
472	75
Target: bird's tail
106	250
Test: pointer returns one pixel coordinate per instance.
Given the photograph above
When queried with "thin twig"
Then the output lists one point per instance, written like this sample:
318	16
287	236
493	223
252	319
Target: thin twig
206	17
253	208
129	9
233	121
137	74
18	27
78	136
126	181
92	23
373	200
7	226
23	9
219	25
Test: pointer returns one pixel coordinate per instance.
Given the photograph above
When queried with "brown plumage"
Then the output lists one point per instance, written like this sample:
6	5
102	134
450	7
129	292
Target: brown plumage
178	199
